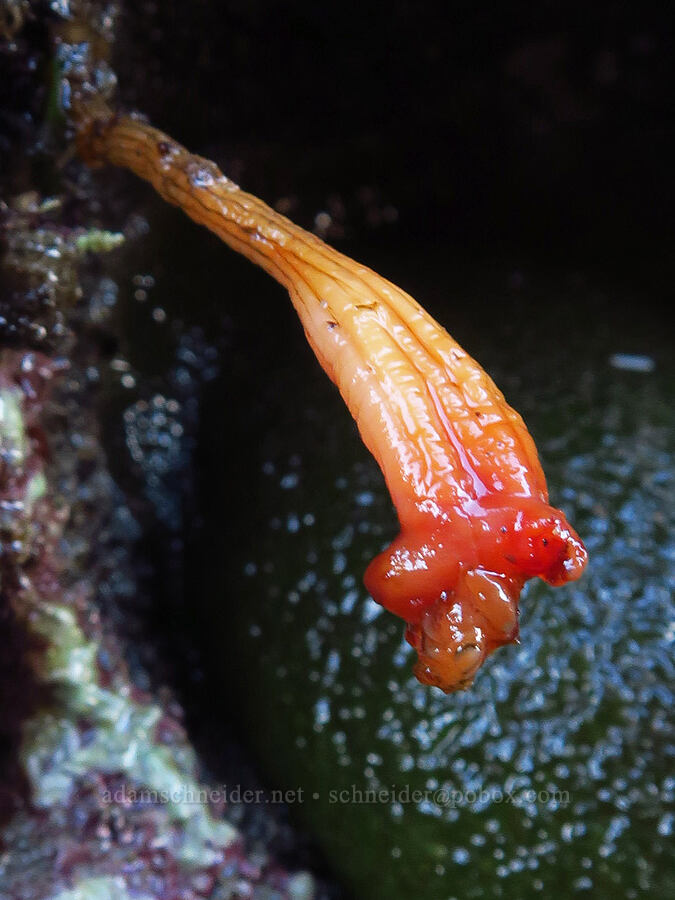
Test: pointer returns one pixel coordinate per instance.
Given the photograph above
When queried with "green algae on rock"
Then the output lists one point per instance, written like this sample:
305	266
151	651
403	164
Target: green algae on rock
102	888
122	736
95	749
101	794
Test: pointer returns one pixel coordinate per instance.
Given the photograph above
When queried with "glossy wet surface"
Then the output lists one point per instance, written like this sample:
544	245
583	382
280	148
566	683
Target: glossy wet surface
555	767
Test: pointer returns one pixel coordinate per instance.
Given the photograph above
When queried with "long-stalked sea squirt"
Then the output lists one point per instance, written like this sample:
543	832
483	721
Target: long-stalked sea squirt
460	465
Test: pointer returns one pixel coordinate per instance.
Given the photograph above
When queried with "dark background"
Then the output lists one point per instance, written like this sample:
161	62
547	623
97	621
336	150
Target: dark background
542	129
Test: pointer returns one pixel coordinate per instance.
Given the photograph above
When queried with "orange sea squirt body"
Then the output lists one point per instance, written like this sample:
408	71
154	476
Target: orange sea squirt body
461	467
456	578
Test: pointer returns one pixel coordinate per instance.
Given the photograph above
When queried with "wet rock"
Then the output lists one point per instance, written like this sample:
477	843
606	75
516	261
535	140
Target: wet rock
555	768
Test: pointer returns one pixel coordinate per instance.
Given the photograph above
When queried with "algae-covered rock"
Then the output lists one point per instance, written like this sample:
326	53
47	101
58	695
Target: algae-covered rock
102	794
552	776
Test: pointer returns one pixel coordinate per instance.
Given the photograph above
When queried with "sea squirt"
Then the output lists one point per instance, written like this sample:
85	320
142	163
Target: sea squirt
460	465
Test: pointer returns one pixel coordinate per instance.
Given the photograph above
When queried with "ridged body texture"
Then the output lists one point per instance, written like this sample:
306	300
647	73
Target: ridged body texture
459	462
